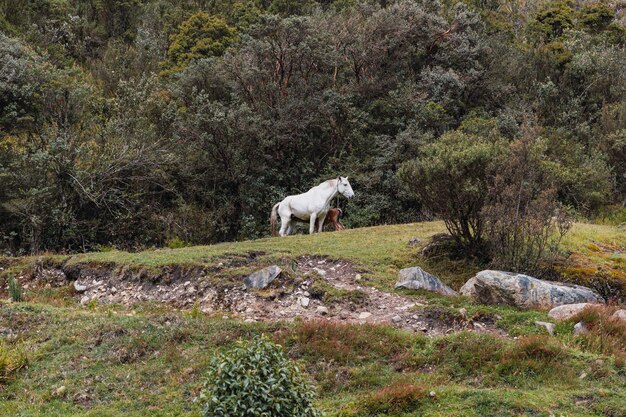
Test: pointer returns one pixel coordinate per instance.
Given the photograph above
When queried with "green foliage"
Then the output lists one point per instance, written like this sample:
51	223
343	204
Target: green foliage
596	16
95	149
256	378
12	359
450	178
177	243
200	36
15	290
554	19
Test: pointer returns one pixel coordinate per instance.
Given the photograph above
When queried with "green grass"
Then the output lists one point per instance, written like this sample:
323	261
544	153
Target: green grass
151	359
114	361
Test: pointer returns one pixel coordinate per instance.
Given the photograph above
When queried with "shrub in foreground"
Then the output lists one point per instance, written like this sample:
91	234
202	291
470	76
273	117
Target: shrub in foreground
256	379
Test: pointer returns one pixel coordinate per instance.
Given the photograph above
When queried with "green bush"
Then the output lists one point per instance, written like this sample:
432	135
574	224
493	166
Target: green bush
256	379
15	290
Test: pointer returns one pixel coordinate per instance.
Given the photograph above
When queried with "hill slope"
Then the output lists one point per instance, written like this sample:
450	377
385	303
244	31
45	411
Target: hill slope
130	356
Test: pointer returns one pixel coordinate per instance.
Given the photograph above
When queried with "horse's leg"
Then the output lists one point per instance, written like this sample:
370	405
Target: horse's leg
312	223
285	226
320	226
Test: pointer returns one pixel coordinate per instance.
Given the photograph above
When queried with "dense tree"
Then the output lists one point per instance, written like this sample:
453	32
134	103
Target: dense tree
265	98
200	36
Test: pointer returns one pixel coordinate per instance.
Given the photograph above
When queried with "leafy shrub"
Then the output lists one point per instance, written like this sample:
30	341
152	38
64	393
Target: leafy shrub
450	179
15	290
256	379
177	243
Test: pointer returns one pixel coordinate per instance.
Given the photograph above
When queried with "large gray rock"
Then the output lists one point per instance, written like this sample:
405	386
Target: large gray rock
567	311
499	287
415	278
262	277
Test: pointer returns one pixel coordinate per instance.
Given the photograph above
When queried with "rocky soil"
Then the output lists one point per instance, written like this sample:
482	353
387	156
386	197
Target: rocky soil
295	293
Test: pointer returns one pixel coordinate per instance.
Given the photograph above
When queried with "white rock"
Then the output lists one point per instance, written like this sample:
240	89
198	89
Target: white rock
567	311
79	287
320	272
357	277
396	319
84	300
304	301
322	310
364	315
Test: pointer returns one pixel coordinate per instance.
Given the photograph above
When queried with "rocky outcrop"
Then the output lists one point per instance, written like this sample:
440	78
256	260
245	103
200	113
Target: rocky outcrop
499	287
262	278
415	278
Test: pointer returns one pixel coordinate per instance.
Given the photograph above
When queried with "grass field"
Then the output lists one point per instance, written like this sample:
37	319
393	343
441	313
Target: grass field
58	358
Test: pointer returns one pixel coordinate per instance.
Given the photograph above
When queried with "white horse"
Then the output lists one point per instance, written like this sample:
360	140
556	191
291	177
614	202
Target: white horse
312	205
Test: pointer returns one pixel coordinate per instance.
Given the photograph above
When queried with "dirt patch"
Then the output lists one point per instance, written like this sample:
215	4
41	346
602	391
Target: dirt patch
309	288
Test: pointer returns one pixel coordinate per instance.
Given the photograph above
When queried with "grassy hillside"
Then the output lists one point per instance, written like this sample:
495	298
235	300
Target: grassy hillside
59	358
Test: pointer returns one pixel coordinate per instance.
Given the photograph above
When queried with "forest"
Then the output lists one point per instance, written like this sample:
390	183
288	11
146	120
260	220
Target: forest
142	123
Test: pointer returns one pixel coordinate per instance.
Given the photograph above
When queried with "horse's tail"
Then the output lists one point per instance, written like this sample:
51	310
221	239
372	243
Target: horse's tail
273	219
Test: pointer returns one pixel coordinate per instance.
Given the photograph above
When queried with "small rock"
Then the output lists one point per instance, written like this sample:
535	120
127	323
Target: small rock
583	375
262	278
306	294
84	300
304	301
620	315
432	393
396	319
549	326
113	290
322	310
416	278
414	241
79	287
364	315
320	272
357	277
568	311
579	328
463	312
60	391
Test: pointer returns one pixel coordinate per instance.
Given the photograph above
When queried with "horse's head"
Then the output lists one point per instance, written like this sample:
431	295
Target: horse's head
344	188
